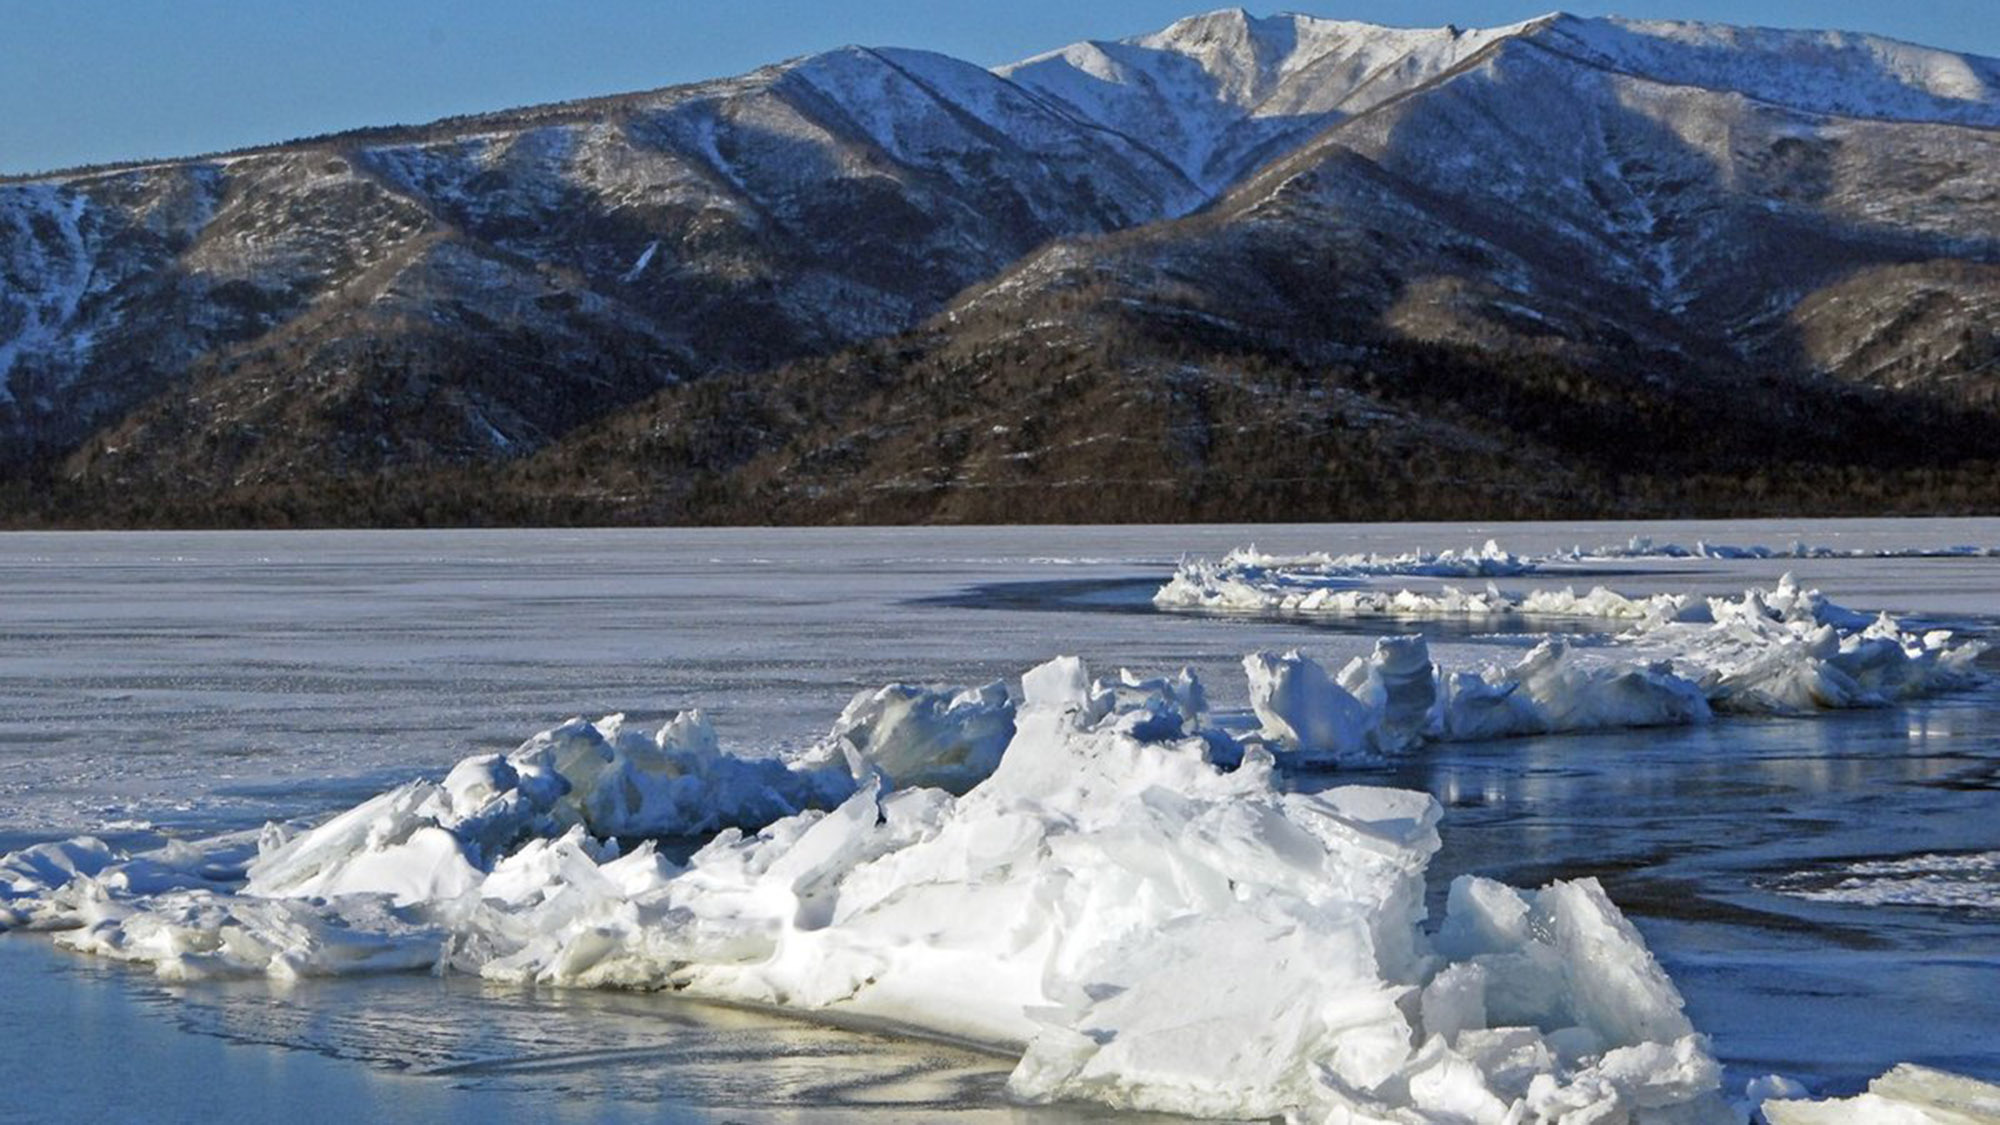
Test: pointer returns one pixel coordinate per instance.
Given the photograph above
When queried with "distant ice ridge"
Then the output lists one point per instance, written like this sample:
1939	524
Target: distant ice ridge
1640	547
1906	1095
1249	579
1126	899
1249	566
1786	650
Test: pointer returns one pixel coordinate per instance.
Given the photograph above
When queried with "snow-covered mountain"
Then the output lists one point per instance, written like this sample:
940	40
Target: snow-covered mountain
1660	214
1577	177
1215	93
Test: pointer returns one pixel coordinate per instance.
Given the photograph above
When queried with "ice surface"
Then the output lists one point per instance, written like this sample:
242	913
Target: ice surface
255	662
240	677
1105	881
1906	1095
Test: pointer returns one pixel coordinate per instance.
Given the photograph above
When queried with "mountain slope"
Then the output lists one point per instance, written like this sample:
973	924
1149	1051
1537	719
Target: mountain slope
724	226
1277	267
1625	285
1830	72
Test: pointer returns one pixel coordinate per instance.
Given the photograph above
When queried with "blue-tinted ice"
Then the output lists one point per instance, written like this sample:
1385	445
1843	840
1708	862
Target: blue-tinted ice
193	683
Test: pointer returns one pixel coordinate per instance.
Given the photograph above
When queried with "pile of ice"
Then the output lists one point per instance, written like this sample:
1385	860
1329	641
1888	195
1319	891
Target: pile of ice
1906	1095
1789	650
1260	574
1786	650
1396	698
424	840
1249	580
1194	588
1133	904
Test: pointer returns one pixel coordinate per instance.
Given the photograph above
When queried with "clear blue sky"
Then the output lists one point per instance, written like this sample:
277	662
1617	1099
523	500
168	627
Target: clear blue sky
84	81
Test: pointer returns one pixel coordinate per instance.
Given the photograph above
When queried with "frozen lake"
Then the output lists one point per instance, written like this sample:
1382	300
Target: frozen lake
182	684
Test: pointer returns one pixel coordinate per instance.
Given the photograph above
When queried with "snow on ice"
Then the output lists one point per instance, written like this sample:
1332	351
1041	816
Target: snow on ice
1941	881
1907	1095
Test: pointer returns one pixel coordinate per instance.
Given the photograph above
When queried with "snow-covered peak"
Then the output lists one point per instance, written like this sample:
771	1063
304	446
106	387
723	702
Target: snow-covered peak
1245	56
1219	93
1214	93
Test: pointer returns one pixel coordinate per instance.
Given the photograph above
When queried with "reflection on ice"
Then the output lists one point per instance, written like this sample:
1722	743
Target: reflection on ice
455	1049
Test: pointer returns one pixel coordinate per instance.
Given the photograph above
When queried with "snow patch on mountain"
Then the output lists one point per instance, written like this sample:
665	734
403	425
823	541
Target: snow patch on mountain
1836	72
41	235
645	259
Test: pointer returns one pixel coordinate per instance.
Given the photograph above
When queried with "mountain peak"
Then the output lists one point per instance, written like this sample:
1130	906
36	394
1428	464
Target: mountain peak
1214	93
1208	22
1227	27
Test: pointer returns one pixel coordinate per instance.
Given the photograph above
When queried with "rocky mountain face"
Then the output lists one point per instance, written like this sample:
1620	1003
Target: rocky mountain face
1258	268
473	288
